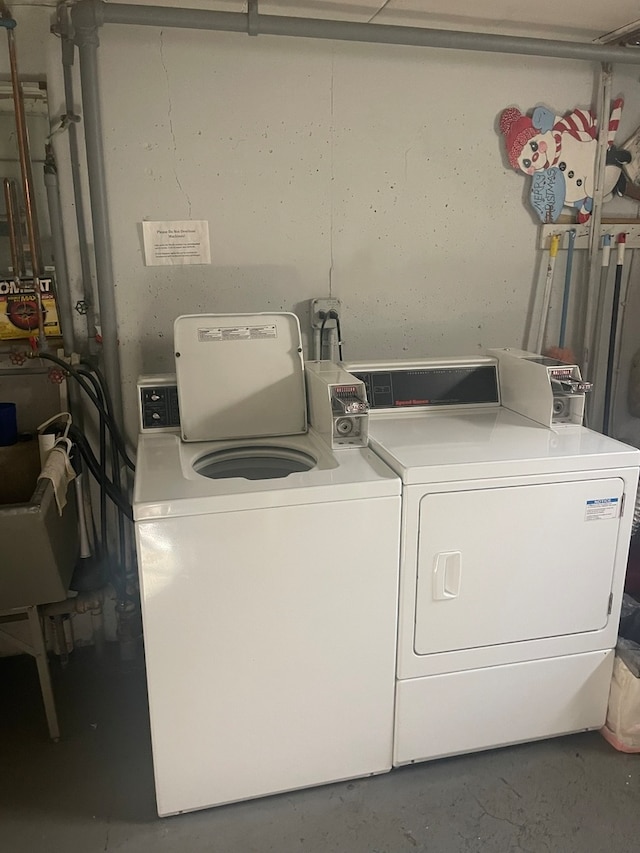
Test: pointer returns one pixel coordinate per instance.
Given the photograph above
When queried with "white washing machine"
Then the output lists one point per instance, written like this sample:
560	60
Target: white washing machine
513	554
268	573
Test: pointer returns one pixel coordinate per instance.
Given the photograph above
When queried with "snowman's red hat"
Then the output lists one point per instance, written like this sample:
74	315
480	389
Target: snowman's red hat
518	129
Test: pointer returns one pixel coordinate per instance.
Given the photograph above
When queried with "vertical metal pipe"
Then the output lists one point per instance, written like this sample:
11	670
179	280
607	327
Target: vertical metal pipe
63	294
87	41
68	49
31	213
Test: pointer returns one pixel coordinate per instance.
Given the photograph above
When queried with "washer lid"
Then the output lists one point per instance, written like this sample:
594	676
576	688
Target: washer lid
239	376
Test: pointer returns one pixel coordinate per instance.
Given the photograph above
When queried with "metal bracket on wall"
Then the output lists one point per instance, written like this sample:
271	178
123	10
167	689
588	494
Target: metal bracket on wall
630	228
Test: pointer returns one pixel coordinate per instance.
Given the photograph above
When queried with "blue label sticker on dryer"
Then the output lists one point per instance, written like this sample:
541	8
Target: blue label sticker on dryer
601	508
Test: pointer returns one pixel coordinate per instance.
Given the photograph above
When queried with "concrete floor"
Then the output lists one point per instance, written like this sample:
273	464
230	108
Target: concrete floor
93	791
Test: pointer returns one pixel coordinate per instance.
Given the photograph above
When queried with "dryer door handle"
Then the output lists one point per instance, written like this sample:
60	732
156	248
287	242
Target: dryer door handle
447	574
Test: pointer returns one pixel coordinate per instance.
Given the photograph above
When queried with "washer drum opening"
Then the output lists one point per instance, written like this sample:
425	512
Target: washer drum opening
253	463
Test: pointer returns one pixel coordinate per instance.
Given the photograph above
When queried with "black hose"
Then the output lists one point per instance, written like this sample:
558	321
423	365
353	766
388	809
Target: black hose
103	384
324	323
106	486
115	455
113	493
102	400
339	337
110	421
102	391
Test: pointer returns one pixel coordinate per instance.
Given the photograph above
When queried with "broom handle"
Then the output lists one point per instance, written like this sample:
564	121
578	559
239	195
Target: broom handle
546	297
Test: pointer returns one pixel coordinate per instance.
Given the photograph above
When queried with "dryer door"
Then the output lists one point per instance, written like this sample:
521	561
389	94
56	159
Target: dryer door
503	565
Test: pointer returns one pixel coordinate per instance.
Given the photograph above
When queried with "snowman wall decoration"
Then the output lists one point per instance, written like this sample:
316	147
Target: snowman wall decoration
559	153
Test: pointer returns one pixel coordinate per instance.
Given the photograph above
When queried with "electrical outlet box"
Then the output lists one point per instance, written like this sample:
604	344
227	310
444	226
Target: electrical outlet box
323	305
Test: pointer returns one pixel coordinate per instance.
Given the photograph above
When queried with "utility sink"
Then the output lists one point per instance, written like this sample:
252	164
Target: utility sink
38	546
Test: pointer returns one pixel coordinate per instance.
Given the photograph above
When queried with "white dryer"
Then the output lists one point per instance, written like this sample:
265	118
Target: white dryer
268	571
513	555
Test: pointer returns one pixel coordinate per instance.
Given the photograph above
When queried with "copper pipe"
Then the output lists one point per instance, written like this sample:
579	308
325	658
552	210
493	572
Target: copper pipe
22	264
9	190
27	181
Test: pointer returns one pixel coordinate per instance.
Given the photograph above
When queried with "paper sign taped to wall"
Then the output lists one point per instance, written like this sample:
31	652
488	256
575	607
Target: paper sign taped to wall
176	243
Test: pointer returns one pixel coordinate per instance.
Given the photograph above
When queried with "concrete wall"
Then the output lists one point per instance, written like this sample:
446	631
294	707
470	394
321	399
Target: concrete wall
371	173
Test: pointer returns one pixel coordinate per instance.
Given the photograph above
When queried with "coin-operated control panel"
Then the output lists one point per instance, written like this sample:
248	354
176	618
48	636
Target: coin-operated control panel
158	403
544	389
338	406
